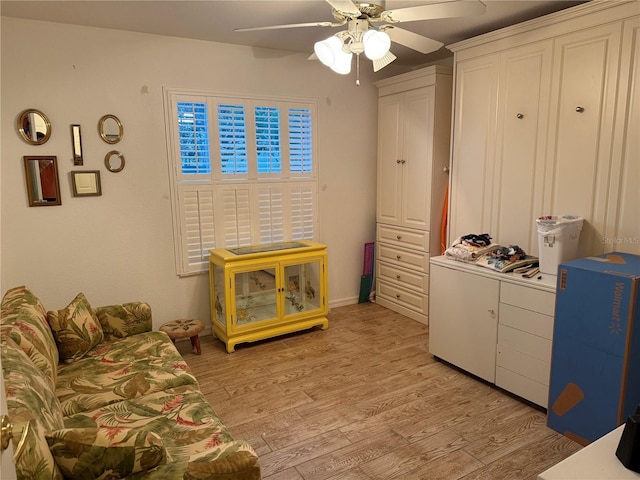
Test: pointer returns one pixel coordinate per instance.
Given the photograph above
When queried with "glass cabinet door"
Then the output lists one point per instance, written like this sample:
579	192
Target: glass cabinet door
254	293
218	294
302	287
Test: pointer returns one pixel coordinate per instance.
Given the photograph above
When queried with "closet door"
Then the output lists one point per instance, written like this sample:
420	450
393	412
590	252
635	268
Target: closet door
523	108
581	127
417	157
623	232
473	145
388	206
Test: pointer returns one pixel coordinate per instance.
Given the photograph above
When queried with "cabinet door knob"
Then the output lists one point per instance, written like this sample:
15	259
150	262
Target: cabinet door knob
579	109
403	161
398	161
492	312
520	116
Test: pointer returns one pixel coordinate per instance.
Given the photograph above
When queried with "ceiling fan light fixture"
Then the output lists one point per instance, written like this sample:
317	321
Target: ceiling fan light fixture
376	44
328	50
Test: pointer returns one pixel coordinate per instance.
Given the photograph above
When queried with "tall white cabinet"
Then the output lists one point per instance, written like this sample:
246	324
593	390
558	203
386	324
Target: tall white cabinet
544	119
414	116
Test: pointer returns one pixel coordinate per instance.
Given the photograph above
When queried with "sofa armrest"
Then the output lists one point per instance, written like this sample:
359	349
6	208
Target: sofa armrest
119	321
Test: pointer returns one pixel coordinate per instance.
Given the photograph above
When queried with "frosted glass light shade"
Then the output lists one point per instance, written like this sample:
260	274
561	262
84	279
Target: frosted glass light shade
376	44
342	64
328	50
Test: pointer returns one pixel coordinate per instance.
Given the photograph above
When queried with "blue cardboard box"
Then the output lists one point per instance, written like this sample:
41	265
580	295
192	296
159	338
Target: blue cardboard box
595	363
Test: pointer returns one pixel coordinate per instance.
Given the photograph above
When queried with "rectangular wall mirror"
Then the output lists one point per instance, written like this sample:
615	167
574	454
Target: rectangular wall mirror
86	183
76	142
43	185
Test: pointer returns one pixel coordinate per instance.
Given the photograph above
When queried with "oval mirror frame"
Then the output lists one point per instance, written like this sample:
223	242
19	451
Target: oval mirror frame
33	126
110	129
114	156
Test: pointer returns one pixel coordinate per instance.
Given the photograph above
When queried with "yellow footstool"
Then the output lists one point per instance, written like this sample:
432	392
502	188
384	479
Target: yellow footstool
184	328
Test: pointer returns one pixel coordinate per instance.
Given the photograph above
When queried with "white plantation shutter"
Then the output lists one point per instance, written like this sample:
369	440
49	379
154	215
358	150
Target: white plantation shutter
236	217
197	226
300	141
271	213
243	171
303	211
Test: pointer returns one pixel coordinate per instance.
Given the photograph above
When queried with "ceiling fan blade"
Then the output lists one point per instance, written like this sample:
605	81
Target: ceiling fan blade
291	25
345	6
412	40
462	8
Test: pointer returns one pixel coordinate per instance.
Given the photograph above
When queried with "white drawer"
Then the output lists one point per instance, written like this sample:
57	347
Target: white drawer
526	297
417	302
403	237
403	277
526	320
526	343
522	386
405	258
523	364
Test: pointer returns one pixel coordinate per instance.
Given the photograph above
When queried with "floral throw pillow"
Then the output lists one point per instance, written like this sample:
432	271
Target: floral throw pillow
105	453
75	328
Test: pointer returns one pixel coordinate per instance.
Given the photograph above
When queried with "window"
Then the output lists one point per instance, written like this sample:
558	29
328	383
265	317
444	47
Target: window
242	170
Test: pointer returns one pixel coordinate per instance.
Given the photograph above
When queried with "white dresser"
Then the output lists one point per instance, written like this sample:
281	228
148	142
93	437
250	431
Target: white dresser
497	326
414	117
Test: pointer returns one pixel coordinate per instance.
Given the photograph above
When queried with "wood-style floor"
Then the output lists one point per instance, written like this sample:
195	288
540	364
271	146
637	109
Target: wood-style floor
365	400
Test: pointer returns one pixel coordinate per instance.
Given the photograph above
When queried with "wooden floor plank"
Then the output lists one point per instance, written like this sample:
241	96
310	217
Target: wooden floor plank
365	400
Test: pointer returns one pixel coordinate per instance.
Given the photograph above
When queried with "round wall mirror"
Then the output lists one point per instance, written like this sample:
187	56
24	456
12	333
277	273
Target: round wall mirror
110	129
114	161
33	126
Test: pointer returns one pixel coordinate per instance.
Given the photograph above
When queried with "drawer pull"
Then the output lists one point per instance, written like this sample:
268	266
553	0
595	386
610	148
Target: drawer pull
492	312
398	257
397	295
398	277
398	237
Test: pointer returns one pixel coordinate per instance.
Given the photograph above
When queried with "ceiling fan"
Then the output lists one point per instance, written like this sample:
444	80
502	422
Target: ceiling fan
362	36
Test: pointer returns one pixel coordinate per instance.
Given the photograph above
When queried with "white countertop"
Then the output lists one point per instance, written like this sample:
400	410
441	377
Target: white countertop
542	281
596	461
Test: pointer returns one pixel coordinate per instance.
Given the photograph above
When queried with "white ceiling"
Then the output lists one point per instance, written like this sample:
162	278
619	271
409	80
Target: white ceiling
214	20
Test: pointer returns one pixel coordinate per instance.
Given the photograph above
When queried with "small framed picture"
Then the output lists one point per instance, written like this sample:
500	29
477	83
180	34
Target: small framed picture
86	183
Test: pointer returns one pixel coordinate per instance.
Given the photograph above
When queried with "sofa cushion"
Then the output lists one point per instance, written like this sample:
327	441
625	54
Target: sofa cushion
76	329
119	321
24	320
128	368
108	452
32	457
189	427
29	393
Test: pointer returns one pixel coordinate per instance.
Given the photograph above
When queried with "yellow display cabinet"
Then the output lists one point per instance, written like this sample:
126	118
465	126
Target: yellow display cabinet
261	291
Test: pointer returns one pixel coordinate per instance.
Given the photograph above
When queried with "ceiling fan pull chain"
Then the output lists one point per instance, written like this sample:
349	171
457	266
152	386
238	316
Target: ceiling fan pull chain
358	70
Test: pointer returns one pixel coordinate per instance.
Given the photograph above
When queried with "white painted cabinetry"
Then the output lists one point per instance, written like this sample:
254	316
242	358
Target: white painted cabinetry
497	326
544	113
414	116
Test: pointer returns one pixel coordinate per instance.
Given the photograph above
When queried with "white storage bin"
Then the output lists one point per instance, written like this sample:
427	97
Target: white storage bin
557	241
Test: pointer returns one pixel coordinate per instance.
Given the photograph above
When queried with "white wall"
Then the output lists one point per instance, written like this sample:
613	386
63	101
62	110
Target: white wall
118	247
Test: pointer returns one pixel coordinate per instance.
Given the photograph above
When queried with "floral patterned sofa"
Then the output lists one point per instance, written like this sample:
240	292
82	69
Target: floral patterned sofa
97	394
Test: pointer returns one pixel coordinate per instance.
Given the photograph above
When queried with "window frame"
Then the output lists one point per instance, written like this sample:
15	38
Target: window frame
190	189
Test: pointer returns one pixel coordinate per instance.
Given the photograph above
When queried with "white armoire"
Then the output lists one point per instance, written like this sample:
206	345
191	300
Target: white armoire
414	117
546	122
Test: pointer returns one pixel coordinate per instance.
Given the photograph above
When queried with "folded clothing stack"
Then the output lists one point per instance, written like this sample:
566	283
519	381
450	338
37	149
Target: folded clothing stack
479	249
468	248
